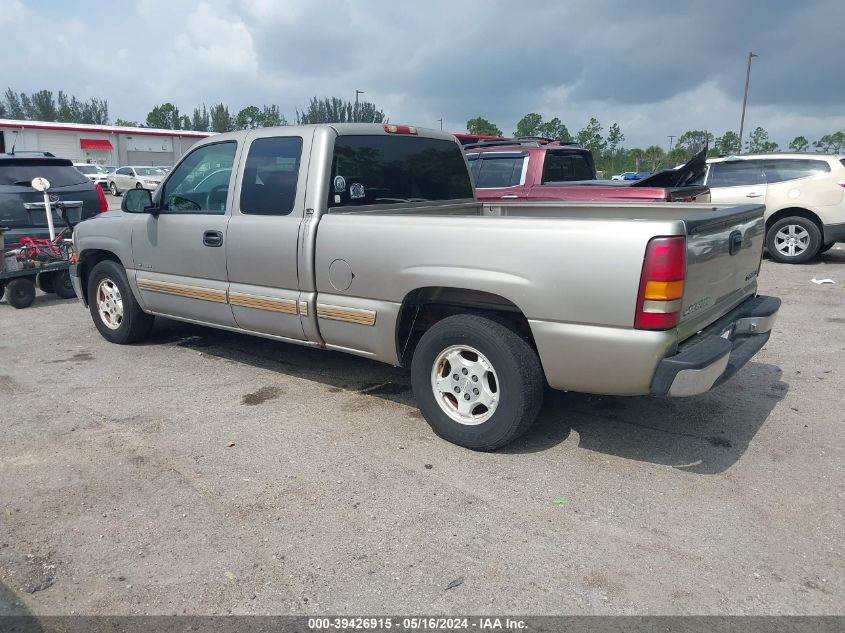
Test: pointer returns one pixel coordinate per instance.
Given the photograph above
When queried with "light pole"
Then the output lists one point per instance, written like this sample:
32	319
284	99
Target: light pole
441	124
357	92
671	138
745	98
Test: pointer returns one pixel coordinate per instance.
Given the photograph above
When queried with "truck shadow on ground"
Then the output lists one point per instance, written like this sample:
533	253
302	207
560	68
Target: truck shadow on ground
705	434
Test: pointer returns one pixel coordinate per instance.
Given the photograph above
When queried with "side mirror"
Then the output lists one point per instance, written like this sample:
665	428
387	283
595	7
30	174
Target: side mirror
136	201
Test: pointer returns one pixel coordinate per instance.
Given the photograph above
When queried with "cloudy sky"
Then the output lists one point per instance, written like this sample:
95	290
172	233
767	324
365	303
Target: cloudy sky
655	67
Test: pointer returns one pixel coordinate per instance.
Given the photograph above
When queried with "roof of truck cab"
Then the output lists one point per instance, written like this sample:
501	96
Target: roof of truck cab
800	155
342	129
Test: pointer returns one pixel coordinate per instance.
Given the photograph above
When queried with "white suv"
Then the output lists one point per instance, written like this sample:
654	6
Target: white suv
804	196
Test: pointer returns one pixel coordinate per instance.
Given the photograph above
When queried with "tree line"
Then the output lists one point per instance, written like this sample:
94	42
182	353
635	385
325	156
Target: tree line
607	146
610	154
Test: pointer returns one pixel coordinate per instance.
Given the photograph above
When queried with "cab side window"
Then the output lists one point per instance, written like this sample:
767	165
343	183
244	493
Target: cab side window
200	184
270	176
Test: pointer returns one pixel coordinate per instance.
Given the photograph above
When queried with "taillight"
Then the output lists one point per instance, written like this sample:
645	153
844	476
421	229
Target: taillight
662	284
399	129
104	204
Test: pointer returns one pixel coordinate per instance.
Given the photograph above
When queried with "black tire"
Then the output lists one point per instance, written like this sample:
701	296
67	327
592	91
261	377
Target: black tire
799	224
519	381
44	281
826	247
138	185
2	290
21	292
135	324
62	285
113	189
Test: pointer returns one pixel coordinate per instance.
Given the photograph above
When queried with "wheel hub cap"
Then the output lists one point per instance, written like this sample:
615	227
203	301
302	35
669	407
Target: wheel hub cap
465	384
109	304
792	240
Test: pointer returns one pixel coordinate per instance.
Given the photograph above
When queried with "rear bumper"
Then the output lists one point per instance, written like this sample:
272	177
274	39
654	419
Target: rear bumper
717	353
76	282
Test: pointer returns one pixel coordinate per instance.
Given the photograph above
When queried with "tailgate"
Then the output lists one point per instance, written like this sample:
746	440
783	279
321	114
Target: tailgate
724	249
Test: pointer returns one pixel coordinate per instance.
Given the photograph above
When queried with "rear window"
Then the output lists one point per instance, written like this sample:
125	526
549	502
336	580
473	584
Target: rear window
741	173
498	170
21	172
778	170
566	167
393	169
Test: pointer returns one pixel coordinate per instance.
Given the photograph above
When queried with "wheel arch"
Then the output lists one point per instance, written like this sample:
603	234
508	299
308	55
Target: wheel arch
86	262
422	307
801	212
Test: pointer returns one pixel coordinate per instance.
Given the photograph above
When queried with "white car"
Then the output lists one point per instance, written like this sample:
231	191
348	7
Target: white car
95	173
135	177
804	196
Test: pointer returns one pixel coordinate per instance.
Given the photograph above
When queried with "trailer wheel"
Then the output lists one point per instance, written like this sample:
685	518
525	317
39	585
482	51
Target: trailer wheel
21	292
2	290
113	307
477	383
44	281
62	285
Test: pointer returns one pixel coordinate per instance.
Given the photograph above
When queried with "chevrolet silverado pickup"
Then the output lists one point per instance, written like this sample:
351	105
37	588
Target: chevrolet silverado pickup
540	169
368	239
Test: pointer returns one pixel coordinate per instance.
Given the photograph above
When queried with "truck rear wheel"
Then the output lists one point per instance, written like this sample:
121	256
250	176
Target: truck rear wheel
62	285
44	281
477	383
21	292
113	307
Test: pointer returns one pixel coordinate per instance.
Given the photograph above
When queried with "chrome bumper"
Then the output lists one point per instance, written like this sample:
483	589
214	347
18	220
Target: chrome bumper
719	352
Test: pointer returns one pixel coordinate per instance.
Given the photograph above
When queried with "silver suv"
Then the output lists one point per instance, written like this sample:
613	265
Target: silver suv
804	196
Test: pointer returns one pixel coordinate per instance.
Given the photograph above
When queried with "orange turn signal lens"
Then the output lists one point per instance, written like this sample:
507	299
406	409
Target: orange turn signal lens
664	290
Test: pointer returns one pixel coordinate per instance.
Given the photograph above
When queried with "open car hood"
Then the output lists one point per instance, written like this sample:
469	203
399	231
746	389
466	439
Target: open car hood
687	174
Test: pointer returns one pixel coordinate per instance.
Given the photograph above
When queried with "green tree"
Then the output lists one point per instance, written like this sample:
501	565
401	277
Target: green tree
727	144
590	137
529	125
693	141
678	156
654	154
43	106
615	138
221	120
271	117
184	122
480	125
637	155
164	116
249	118
758	142
13	105
336	110
555	129
830	142
200	121
799	144
125	123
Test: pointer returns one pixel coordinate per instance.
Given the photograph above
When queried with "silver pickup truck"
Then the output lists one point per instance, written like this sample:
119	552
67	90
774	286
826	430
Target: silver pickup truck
368	239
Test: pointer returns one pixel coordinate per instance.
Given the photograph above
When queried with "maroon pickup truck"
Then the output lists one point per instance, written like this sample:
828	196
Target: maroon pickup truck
538	169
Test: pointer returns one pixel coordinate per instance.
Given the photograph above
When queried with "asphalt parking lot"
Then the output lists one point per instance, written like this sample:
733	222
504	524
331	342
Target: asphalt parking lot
209	472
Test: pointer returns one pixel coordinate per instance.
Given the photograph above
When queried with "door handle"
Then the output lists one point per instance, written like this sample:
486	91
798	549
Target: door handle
753	195
212	238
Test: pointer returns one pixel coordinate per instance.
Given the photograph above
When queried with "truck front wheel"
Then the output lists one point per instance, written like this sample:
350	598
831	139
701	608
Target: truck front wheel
113	307
477	383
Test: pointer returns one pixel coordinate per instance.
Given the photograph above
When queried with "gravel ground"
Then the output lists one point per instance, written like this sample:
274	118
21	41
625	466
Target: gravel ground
206	472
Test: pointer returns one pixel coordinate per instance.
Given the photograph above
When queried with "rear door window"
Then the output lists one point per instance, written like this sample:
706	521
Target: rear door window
501	169
780	170
741	173
368	170
20	172
270	175
566	167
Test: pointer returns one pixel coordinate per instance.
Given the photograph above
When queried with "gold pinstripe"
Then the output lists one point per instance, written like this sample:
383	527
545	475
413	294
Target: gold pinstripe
181	290
243	300
349	315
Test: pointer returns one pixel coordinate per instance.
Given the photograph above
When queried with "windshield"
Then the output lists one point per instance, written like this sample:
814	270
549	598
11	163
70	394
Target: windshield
149	171
91	169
